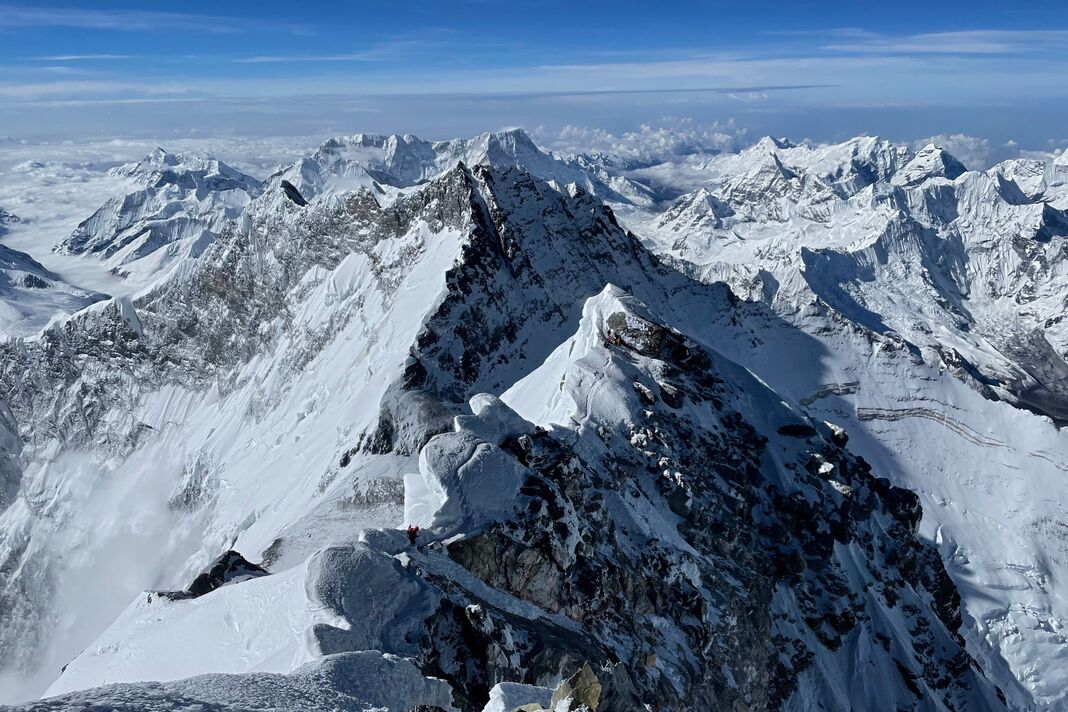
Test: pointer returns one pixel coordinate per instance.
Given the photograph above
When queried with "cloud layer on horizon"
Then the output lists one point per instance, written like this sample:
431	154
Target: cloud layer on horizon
922	79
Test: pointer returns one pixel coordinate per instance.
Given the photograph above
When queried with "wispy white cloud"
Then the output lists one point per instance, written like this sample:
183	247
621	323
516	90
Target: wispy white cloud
843	32
652	142
131	20
962	42
379	52
82	57
280	58
86	88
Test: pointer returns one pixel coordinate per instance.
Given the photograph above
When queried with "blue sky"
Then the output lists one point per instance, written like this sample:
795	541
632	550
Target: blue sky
805	69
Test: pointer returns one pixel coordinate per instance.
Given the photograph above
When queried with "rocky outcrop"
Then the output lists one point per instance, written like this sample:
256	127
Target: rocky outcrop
768	595
581	691
292	193
230	568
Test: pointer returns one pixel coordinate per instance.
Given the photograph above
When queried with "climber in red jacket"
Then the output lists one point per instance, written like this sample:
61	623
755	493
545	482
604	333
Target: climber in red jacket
413	532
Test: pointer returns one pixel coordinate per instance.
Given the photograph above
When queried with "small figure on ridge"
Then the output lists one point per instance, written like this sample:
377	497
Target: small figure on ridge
612	339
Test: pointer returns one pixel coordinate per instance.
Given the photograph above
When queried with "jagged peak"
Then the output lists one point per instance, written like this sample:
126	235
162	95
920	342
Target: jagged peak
939	153
513	134
513	146
160	155
368	140
770	143
702	200
867	145
931	161
768	166
160	160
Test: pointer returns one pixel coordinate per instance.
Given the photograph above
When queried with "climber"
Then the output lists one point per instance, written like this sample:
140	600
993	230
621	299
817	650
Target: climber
413	532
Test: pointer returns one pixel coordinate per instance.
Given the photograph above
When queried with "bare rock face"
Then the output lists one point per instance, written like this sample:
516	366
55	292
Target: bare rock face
579	693
292	193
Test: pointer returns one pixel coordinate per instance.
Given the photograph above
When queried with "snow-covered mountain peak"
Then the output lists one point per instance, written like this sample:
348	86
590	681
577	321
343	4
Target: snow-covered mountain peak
178	205
770	144
509	147
1027	175
160	167
930	162
381	163
694	212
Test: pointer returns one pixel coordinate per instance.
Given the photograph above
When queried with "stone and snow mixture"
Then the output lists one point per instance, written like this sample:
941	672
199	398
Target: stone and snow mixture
768	429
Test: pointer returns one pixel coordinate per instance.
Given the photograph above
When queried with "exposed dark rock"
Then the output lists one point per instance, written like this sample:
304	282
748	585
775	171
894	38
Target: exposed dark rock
581	691
229	568
797	430
31	281
571	554
292	193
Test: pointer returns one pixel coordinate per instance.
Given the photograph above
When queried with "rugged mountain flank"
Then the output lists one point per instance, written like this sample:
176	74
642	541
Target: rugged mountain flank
932	298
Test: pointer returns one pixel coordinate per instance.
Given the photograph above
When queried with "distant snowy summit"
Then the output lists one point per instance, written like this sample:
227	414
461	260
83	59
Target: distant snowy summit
181	204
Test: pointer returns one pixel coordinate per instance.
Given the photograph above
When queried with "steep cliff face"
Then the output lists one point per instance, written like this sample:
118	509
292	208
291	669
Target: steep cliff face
10	449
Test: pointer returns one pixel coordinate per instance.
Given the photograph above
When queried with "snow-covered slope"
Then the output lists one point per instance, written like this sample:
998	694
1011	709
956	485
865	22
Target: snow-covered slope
462	335
965	265
31	295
